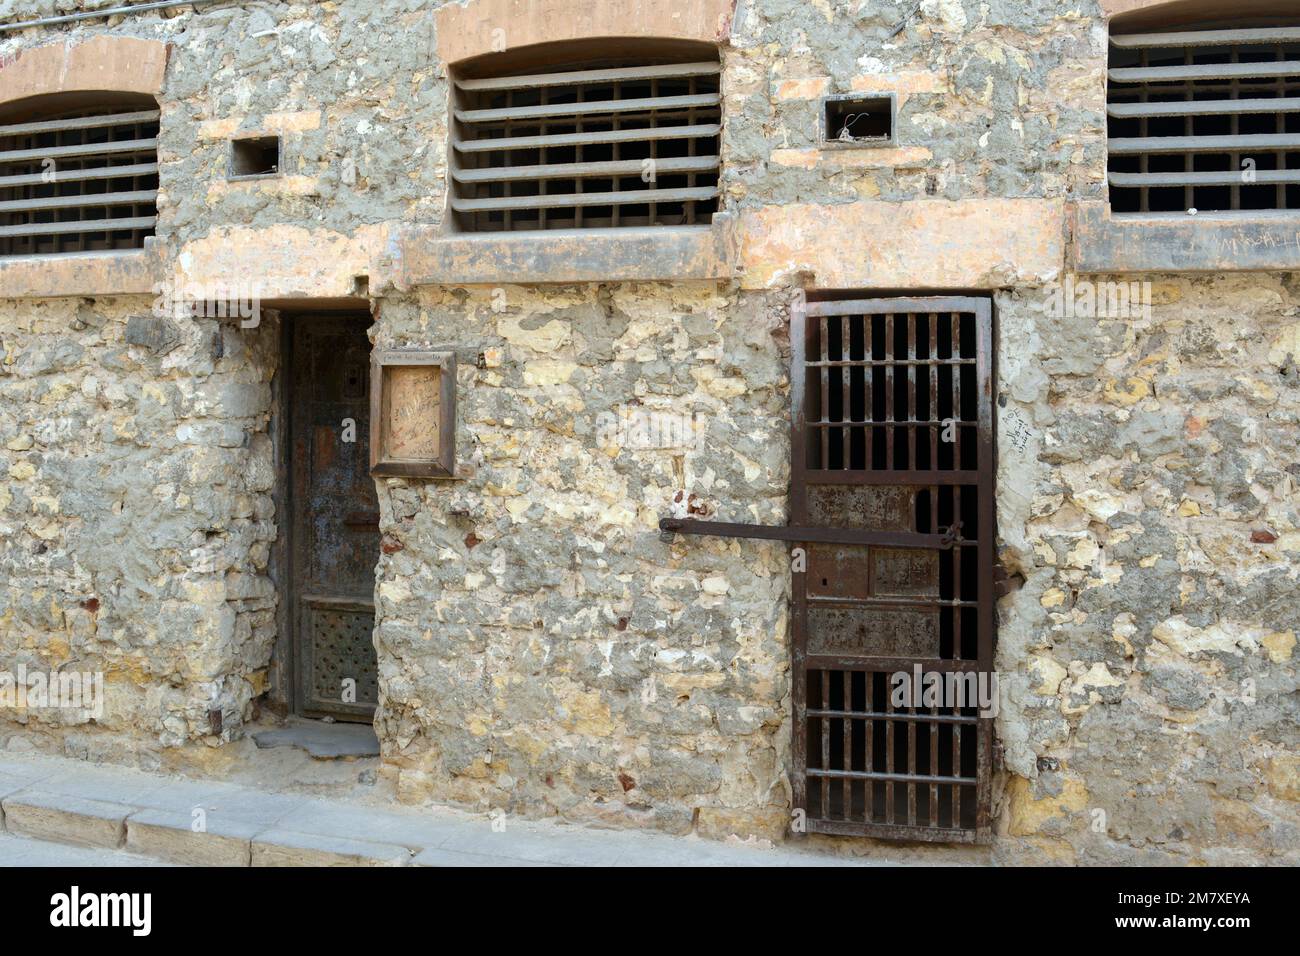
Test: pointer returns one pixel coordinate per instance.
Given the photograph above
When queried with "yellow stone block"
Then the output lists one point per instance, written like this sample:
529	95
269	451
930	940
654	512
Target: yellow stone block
1279	645
1028	815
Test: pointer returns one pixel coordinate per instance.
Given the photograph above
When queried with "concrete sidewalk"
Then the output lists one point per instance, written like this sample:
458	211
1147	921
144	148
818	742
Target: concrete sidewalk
211	823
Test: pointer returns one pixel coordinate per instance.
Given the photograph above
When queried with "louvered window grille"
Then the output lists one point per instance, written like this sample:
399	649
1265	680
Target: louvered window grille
630	142
79	180
1205	119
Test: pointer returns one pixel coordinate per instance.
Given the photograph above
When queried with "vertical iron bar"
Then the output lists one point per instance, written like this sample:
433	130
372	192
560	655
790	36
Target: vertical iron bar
956	769
847	732
825	723
934	397
889	391
825	415
934	765
869	786
912	732
890	816
846	397
911	390
956	579
956	391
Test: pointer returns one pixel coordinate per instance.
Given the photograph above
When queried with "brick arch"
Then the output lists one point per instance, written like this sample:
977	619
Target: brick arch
470	29
1141	14
104	63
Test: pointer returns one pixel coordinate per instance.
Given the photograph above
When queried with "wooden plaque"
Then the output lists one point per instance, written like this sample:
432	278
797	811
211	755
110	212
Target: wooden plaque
413	414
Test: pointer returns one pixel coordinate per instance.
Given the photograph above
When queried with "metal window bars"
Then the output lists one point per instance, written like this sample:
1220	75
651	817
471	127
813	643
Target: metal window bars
79	181
1206	119
892	504
630	143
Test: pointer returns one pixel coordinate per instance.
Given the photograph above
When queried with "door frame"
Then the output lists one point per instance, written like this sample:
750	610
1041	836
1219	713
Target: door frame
283	694
981	306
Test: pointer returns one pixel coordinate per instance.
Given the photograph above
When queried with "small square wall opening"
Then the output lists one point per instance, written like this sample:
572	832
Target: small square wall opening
858	120
254	156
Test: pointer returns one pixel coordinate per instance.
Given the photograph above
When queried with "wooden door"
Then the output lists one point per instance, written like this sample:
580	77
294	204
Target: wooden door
334	518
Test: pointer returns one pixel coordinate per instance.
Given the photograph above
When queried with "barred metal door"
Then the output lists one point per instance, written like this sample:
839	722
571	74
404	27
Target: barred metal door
892	436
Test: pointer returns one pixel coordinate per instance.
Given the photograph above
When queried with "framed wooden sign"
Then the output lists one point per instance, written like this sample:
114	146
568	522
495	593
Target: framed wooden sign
413	413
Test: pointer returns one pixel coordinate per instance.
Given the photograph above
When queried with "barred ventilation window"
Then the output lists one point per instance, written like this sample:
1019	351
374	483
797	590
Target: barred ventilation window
78	174
1205	116
559	139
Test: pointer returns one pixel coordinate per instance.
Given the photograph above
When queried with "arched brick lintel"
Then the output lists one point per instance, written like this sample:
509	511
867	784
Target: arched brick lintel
117	64
470	29
1157	13
1113	8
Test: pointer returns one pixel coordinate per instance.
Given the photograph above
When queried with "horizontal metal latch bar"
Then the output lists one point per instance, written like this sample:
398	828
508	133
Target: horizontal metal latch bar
765	532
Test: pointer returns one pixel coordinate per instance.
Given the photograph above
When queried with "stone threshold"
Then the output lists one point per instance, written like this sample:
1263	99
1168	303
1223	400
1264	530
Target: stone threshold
215	823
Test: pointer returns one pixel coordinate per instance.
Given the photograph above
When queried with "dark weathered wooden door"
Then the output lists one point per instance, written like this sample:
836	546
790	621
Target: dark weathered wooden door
335	518
893	434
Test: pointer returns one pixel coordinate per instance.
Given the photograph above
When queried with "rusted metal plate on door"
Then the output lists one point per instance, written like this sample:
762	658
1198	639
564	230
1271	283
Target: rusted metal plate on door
838	571
879	507
873	632
903	572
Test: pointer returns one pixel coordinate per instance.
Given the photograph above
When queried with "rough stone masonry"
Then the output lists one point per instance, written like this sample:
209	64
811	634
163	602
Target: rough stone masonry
542	649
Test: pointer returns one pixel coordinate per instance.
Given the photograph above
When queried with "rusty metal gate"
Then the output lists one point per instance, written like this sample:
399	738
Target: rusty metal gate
892	432
892	526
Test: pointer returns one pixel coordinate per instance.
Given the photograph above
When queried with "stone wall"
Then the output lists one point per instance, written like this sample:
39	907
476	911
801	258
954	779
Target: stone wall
1147	496
542	650
135	520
